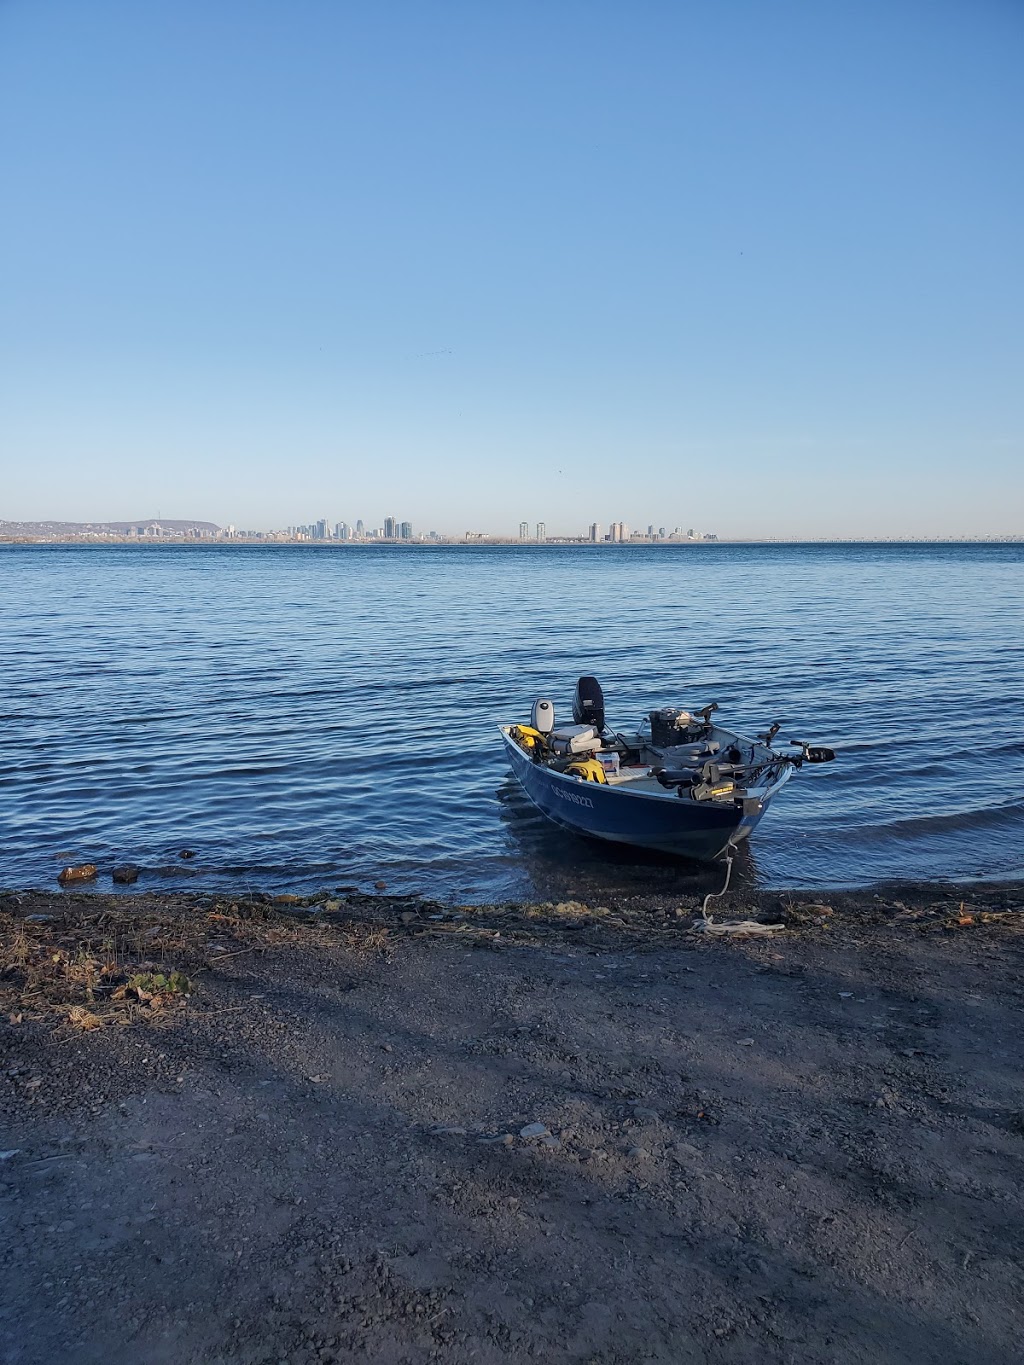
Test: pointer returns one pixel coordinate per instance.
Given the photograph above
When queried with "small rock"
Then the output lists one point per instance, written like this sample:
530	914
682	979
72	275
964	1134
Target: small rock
381	886
187	853
286	898
846	995
550	1141
126	874
386	1047
81	872
534	1130
639	1112
636	1152
502	1140
407	916
448	1129
746	1042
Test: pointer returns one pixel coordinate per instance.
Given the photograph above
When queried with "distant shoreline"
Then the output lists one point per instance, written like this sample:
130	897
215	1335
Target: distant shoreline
99	540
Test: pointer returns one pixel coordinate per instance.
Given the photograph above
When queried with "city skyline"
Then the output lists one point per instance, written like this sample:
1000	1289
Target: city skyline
321	532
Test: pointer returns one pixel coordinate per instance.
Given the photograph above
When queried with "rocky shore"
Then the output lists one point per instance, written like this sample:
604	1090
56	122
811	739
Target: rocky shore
368	1128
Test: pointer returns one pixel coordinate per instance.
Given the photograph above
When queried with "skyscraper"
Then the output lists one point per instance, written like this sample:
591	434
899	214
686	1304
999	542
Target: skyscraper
389	528
406	530
360	530
524	530
595	530
542	531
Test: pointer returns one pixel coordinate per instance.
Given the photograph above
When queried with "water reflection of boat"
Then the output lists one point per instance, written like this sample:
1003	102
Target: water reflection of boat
680	784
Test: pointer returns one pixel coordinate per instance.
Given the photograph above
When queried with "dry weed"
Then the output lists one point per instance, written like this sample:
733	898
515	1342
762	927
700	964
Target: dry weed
365	938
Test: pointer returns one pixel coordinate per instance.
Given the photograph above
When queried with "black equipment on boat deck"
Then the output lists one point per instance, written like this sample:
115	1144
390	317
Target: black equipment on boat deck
588	704
669	726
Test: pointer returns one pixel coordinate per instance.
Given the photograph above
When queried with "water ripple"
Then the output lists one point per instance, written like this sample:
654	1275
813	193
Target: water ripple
338	707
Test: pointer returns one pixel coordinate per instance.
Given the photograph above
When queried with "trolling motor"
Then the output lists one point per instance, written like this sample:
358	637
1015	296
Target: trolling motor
810	753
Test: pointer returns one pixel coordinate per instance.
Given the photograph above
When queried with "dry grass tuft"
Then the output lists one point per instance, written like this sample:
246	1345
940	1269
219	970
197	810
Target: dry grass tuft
365	938
565	910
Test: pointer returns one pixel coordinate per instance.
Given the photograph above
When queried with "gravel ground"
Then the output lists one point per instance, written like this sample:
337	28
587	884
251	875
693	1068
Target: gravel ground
803	1147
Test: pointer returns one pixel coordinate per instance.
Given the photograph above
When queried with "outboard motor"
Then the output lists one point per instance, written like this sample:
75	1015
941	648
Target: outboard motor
588	704
543	716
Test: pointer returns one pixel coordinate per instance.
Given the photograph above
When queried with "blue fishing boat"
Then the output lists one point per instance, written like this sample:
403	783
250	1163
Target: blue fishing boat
680	784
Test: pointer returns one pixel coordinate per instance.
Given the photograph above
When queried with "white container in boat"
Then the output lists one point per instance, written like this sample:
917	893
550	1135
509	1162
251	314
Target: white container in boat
609	761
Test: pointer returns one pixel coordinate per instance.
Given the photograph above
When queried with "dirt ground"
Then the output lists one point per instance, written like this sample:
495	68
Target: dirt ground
306	1146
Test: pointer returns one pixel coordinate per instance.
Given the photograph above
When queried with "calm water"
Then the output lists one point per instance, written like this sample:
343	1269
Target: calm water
306	717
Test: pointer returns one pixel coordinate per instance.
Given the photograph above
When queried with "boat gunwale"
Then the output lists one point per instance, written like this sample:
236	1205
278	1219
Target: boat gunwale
762	794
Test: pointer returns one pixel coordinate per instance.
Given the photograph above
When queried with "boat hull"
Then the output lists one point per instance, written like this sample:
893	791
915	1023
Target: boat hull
675	825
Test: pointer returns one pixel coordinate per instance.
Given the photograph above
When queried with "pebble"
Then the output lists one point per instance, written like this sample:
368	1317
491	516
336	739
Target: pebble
639	1112
381	886
502	1140
746	1042
550	1141
126	874
443	1129
636	1152
187	853
534	1130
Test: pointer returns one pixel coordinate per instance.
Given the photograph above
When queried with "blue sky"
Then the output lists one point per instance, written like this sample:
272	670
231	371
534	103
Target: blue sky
749	266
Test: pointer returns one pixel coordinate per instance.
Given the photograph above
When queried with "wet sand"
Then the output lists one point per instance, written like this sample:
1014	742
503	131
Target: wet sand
255	1132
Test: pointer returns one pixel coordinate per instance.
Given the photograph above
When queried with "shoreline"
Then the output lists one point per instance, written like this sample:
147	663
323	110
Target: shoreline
271	538
375	1127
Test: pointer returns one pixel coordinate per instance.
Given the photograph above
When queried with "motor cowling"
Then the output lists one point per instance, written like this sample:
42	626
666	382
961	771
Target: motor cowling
588	704
543	717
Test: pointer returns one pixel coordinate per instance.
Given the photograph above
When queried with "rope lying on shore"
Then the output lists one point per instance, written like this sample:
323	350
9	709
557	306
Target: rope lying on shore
741	928
746	928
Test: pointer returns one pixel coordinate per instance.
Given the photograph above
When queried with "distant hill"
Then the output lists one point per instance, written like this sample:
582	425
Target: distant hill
84	528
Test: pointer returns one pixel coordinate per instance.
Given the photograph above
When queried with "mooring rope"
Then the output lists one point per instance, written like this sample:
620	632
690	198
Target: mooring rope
717	895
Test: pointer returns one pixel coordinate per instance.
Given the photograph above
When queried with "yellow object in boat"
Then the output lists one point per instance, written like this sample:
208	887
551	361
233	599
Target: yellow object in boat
528	738
587	768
